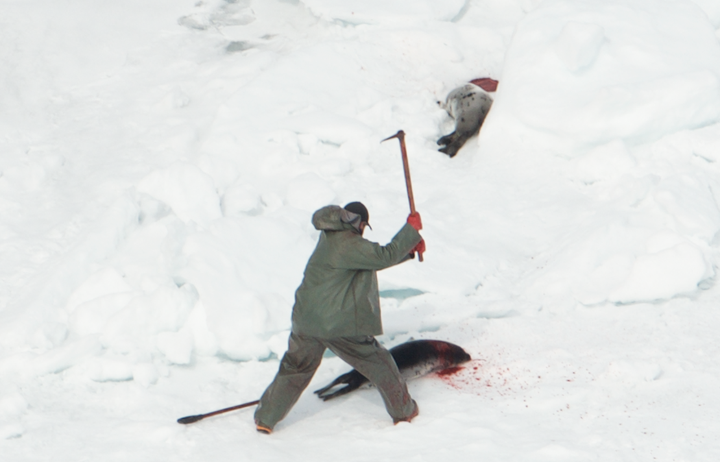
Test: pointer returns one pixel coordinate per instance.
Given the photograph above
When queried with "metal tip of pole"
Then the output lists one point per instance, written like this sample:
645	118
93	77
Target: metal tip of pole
400	134
190	419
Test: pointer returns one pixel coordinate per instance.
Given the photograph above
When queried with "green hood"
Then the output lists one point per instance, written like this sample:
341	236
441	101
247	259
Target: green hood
335	218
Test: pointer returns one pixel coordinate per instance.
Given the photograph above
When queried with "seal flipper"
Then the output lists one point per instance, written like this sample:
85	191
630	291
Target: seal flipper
339	392
453	143
327	388
352	379
446	140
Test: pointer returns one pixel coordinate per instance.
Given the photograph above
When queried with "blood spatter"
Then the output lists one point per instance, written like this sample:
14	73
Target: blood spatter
450	371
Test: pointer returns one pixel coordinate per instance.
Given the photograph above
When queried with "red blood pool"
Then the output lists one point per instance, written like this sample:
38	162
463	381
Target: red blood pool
450	371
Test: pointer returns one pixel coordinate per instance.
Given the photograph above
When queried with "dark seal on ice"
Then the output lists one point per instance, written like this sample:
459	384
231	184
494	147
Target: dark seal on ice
468	105
414	359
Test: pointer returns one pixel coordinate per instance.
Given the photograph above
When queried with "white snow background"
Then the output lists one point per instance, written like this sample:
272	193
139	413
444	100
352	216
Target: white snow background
161	161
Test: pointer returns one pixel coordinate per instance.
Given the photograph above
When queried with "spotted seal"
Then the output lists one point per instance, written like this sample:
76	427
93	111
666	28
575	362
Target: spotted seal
468	105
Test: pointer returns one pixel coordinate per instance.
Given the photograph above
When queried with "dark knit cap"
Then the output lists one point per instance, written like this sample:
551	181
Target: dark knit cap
359	208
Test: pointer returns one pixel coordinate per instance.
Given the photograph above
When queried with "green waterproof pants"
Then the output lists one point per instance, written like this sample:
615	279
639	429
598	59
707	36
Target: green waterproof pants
302	359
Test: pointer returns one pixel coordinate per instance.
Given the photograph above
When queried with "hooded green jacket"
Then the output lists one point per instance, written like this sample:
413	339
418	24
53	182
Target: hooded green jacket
338	296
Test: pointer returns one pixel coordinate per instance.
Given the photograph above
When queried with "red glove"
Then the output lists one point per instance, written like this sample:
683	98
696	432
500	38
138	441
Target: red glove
420	248
415	221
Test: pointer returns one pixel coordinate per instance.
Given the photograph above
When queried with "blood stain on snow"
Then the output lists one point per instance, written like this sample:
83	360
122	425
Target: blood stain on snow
450	371
464	378
483	376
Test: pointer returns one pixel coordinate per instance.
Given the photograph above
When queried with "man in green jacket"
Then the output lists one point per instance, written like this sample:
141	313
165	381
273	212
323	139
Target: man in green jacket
337	306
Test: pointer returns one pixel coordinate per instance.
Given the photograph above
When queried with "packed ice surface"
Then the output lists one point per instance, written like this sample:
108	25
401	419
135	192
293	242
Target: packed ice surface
161	160
586	73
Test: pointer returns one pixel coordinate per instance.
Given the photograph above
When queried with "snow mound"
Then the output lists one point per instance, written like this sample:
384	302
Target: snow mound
579	44
104	282
187	190
663	274
309	192
586	74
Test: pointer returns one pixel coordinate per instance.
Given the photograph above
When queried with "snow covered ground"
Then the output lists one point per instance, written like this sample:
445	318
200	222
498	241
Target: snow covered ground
161	160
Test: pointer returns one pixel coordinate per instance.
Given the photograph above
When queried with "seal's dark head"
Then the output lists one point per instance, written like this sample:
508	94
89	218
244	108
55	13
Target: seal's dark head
459	355
449	353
